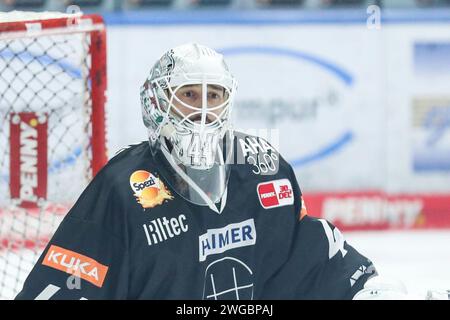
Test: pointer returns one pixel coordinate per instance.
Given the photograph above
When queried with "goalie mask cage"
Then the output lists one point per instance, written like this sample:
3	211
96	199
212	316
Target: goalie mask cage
52	129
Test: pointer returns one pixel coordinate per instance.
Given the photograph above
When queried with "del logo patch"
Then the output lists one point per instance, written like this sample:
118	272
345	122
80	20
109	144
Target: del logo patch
275	193
148	189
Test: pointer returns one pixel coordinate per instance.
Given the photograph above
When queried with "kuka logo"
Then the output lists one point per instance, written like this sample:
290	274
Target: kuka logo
148	189
74	263
275	193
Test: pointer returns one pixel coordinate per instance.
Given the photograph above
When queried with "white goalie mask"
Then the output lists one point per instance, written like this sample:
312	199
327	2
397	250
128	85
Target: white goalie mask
186	106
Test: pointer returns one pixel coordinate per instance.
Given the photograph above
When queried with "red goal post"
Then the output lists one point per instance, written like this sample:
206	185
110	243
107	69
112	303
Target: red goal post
69	24
52	128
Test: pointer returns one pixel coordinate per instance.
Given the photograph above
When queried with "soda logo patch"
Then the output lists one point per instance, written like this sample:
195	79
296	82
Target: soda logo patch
148	189
275	193
146	184
76	264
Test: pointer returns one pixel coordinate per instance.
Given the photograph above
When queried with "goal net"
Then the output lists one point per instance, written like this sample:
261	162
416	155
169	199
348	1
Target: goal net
52	129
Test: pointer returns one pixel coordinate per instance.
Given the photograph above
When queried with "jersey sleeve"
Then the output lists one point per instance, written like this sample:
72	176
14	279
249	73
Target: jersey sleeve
87	256
327	266
341	271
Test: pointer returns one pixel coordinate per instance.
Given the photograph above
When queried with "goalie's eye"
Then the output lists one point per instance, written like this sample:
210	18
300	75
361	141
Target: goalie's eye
214	96
189	94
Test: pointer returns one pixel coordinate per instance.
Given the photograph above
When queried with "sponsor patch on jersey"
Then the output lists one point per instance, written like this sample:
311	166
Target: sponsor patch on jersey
149	190
257	152
276	193
76	264
232	236
162	229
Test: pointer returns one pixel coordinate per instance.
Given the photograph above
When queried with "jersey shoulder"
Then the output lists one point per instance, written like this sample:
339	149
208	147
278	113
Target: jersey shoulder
129	155
112	183
259	157
126	160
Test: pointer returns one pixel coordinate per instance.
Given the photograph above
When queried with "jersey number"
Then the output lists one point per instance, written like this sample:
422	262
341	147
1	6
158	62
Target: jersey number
49	292
335	240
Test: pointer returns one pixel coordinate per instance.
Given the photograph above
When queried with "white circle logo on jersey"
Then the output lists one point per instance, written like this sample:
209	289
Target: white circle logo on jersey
228	279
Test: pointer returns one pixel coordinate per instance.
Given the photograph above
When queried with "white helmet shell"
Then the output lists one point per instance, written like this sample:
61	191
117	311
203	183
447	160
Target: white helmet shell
194	144
188	64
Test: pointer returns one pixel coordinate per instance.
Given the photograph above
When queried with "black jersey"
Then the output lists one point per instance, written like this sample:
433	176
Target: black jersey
129	236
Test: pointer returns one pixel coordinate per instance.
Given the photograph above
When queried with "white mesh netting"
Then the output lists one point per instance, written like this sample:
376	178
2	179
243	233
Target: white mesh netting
47	74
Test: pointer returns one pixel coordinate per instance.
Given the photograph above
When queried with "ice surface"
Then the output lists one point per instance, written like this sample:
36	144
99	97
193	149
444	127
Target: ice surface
421	259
